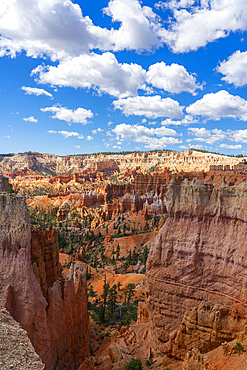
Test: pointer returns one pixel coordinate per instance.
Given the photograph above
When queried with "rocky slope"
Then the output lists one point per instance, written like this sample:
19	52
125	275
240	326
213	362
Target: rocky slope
51	164
51	309
199	255
16	350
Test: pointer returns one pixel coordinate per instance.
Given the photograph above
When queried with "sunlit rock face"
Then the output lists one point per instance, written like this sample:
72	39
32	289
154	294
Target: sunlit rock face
198	255
51	309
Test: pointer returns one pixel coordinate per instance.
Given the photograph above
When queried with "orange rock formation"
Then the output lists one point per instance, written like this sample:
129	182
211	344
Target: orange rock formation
52	310
198	255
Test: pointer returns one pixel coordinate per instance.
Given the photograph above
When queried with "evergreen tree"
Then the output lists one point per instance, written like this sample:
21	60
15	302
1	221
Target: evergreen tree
130	291
88	274
112	299
118	252
104	296
101	314
145	254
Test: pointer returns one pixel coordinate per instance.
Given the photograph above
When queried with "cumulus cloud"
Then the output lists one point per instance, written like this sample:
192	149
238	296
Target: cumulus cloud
239	136
229	146
58	28
138	27
174	78
127	132
30	119
116	147
97	130
150	106
79	115
49	27
145	135
218	105
193	27
208	136
89	137
100	72
234	69
77	146
36	91
66	134
215	135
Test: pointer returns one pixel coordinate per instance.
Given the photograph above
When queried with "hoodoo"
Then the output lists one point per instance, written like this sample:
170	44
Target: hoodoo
51	309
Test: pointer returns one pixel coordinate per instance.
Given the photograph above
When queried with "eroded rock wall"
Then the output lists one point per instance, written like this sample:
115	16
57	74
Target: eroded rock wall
205	328
198	255
54	314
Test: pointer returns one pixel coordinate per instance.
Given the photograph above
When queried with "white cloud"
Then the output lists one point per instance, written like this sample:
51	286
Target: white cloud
30	119
218	105
7	136
196	146
79	115
58	28
212	136
110	123
183	147
208	136
128	131
145	135
239	136
169	121
77	146
35	91
97	130
187	120
227	146
116	147
234	69
138	29
158	143
192	28
174	4
174	78
150	106
100	72
66	134
89	137
53	27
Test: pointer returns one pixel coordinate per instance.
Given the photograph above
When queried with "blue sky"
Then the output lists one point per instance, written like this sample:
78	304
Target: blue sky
92	76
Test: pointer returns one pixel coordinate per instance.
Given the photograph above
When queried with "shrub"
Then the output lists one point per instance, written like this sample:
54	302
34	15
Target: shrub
134	364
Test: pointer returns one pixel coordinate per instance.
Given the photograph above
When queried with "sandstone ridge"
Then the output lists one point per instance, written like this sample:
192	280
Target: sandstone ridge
51	164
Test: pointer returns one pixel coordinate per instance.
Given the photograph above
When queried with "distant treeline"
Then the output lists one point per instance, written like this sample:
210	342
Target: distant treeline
127	152
228	155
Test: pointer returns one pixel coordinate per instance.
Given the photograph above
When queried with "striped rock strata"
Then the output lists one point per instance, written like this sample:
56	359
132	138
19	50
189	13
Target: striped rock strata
198	255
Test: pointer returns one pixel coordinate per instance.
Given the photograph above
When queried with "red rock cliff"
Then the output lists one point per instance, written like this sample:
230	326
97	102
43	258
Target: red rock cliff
54	313
198	255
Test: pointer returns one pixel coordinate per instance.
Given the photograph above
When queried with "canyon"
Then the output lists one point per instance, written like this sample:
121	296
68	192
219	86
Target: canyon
164	232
